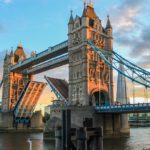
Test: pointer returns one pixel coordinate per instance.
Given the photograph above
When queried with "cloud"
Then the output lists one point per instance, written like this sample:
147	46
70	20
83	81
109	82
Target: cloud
125	14
145	61
130	31
7	1
125	20
142	45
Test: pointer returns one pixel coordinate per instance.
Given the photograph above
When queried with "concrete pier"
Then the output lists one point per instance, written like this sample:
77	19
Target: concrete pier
111	123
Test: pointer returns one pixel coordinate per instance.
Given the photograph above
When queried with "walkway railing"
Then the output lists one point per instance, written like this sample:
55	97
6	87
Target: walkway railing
41	54
124	108
60	60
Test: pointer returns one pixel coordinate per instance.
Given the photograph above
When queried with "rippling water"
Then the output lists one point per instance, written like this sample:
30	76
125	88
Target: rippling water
139	139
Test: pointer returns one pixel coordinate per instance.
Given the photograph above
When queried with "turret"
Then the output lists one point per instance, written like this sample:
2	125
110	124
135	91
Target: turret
84	16
19	54
71	22
6	56
84	11
108	27
12	56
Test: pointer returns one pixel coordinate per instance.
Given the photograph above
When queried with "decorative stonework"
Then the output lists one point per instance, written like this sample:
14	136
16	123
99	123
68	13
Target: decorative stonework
88	74
13	83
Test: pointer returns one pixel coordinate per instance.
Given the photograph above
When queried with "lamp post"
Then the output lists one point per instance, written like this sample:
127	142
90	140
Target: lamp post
30	144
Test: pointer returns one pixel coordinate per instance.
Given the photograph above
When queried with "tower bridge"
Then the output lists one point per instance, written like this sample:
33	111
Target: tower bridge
91	58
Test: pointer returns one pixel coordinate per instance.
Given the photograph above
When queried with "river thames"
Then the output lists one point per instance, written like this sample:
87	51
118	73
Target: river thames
139	139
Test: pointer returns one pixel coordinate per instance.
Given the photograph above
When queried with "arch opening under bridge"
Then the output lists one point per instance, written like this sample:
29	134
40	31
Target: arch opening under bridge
99	98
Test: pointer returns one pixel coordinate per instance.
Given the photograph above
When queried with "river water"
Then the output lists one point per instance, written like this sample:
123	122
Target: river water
139	139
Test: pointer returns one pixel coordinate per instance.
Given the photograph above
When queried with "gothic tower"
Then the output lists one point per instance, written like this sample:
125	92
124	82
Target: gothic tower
90	79
13	82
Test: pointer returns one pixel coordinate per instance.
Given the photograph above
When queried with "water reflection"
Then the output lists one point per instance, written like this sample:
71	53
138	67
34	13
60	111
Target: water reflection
18	141
139	139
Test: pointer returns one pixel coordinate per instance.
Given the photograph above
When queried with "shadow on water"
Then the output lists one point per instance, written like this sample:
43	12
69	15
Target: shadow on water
18	141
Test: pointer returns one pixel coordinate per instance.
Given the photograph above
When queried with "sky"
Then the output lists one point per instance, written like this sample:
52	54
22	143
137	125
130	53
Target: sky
38	24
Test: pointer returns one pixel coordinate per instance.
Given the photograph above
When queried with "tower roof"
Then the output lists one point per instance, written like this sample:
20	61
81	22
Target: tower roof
84	11
108	25
19	53
12	53
20	45
88	11
71	20
6	56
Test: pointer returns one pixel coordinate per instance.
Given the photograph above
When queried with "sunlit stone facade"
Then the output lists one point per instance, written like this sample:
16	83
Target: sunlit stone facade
90	79
13	83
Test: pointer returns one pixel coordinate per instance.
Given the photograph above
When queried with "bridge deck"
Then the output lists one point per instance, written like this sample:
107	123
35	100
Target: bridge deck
52	63
49	53
59	87
28	99
125	108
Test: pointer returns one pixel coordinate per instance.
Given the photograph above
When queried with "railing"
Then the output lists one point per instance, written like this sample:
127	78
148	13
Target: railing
124	108
48	63
15	110
41	54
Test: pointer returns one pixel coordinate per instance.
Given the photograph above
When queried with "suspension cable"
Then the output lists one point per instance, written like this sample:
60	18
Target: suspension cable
99	87
133	91
146	95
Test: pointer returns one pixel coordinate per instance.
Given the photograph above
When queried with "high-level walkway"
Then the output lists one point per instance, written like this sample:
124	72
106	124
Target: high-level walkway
46	55
124	108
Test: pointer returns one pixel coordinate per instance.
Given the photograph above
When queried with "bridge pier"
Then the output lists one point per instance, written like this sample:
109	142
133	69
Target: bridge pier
116	125
111	123
124	129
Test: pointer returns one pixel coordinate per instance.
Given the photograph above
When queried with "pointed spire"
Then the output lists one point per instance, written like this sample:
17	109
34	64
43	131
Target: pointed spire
90	3
6	51
12	52
71	20
108	25
6	56
20	45
84	10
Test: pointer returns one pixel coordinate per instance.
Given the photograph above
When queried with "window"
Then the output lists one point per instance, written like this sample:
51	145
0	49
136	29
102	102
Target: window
77	75
91	23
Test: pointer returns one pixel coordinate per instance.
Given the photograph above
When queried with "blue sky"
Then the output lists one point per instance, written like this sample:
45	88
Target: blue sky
38	24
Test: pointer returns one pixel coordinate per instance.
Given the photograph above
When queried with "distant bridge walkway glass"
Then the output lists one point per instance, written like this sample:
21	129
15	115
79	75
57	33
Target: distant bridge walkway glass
124	108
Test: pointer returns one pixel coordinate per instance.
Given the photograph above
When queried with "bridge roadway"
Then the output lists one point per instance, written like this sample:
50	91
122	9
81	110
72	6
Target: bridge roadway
46	55
52	63
124	108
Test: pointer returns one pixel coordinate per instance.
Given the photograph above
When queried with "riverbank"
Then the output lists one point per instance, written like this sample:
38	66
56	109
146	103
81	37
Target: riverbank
21	130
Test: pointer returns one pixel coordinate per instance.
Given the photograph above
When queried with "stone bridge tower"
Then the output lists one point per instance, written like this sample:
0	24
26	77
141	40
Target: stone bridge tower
13	83
90	79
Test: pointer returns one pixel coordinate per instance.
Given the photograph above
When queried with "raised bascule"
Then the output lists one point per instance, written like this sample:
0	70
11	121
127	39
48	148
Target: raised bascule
90	91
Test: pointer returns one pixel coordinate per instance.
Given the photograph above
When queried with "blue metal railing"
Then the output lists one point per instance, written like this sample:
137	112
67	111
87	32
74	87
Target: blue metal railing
124	108
41	54
53	61
15	110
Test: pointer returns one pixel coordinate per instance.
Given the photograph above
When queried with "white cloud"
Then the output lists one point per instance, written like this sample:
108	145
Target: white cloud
7	1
